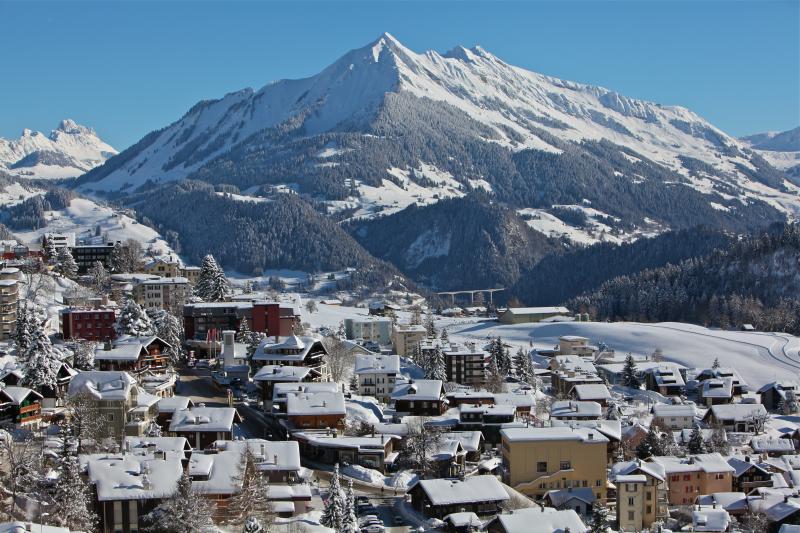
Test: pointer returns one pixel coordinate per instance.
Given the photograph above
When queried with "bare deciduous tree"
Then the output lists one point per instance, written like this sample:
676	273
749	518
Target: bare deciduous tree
339	358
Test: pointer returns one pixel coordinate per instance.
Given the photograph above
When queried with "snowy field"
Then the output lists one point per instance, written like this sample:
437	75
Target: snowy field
759	357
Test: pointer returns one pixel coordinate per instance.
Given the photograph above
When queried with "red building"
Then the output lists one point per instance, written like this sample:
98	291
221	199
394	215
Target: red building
271	318
89	324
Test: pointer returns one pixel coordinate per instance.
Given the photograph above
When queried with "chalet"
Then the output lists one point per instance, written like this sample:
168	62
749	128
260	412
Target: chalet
132	354
377	374
666	379
118	399
269	375
578	499
710	520
158	383
487	419
521	315
777	394
736	503
448	458
771	446
316	410
293	351
54	396
564	381
741	417
203	425
128	486
458	397
421	397
20	407
674	417
592	393
472	442
749	474
573	410
462	522
738	384
537	520
436	498
715	391
377	452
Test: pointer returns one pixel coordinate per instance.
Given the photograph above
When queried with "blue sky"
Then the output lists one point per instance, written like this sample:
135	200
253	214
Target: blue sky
128	68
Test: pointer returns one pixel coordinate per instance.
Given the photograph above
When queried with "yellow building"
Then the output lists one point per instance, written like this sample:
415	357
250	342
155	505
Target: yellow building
405	337
537	460
641	494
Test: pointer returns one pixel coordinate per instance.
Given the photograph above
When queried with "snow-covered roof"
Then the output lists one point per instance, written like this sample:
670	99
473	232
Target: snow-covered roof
281	373
592	391
716	520
292	348
730	501
119	352
147	445
177	280
630	478
674	410
742	465
269	455
463	520
541	520
779	386
17	395
737	411
562	496
203	419
173	403
717	388
572	408
281	391
377	364
573	338
610	428
667	374
771	445
470	440
362	444
102	384
474	489
638	467
704	462
490	409
133	477
518	399
318	403
418	389
533	434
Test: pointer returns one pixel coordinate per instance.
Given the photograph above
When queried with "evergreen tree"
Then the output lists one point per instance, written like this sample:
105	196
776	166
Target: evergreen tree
354	383
430	325
629	373
67	266
494	379
154	430
600	522
50	250
251	499
243	335
252	525
650	445
184	511
83	355
334	511
715	365
212	285
40	367
99	280
23	334
169	328
719	441
132	320
444	336
524	366
696	444
72	498
350	520
436	366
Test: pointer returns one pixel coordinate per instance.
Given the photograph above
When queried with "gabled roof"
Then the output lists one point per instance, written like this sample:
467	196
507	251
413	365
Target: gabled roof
269	455
703	462
102	384
572	408
282	373
147	445
377	364
174	403
533	434
474	489
206	419
771	444
716	520
737	412
628	468
419	389
133	477
292	348
560	497
538	520
667	410
537	310
730	501
318	403
593	391
17	395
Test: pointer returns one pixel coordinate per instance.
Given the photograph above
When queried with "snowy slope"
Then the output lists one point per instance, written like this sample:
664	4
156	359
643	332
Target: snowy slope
69	151
519	109
759	357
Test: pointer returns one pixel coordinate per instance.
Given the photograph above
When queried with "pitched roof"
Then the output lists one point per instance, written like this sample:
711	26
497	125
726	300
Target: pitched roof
562	496
469	490
377	364
533	434
419	389
737	411
592	391
663	409
17	395
538	520
133	477
211	419
318	403
102	384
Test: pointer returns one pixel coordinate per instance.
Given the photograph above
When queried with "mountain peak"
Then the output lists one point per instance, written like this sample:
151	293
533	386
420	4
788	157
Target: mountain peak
70	126
387	41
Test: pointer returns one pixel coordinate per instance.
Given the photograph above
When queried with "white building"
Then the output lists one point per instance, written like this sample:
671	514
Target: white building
377	375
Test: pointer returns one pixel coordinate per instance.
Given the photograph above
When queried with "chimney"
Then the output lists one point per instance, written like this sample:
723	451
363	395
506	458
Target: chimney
146	485
275	458
264	451
228	346
107	345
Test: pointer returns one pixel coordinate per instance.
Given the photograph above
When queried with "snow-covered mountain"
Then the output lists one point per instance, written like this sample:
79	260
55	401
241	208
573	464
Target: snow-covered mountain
781	149
384	126
69	151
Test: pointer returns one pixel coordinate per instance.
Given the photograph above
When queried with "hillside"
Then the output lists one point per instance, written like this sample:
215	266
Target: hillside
385	127
459	243
69	151
781	149
755	281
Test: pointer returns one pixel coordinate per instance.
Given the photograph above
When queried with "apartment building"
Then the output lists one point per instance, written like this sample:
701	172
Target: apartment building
406	337
162	293
272	318
369	328
86	255
9	297
377	375
689	477
537	460
92	324
465	364
641	494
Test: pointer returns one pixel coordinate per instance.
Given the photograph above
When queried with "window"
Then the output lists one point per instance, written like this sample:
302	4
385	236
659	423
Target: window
630	500
630	515
598	483
649	495
541	466
565	465
687	477
649	509
675	478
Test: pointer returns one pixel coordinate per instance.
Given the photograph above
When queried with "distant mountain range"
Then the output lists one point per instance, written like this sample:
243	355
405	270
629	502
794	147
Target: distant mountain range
384	133
781	149
69	151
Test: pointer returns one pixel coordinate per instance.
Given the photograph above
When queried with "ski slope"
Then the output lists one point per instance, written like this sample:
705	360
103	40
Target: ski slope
759	357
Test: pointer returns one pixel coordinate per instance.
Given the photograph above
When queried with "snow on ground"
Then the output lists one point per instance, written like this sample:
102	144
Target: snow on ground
14	193
242	197
758	357
400	480
363	409
596	232
84	216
